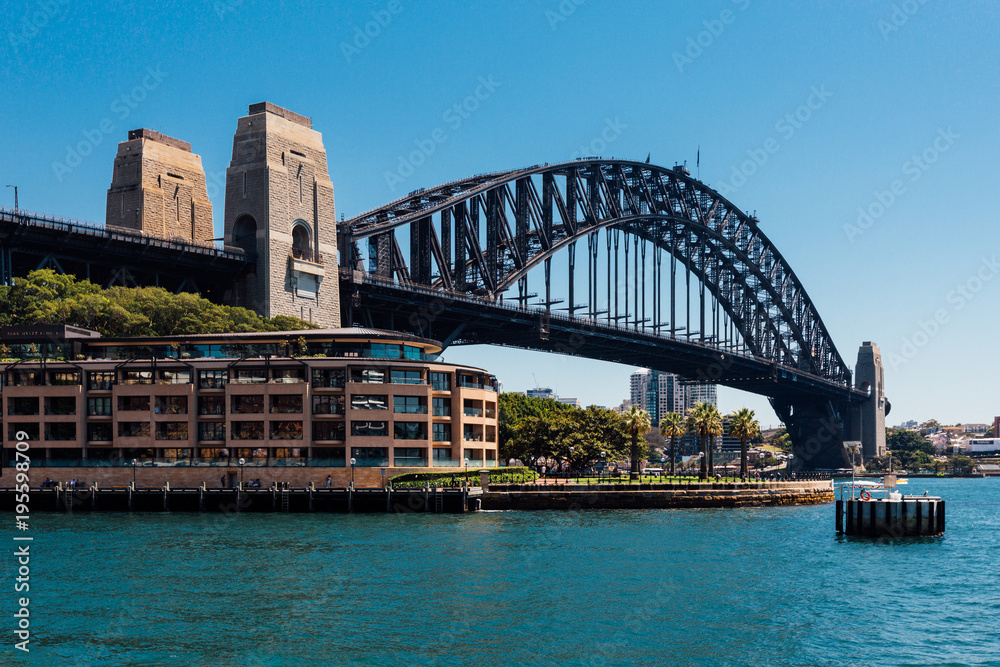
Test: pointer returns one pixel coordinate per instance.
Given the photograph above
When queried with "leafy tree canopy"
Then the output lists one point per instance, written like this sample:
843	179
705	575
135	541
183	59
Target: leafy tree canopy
47	297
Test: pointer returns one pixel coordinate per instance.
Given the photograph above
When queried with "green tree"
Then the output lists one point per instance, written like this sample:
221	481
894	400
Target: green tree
744	426
909	449
672	426
780	439
704	421
962	465
47	297
514	408
637	422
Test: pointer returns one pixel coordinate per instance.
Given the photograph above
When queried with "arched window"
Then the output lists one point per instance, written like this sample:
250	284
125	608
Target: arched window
301	243
245	233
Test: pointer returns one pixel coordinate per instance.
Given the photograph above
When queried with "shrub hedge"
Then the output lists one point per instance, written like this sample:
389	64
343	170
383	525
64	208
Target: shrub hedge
416	480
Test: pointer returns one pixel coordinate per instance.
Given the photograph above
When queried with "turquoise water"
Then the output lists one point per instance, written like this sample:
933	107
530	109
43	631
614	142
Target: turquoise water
761	586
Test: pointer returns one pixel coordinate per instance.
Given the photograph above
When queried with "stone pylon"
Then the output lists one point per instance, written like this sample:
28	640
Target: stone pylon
158	187
280	209
869	376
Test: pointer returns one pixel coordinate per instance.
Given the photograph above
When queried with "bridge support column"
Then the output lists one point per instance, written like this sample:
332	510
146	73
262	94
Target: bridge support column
817	432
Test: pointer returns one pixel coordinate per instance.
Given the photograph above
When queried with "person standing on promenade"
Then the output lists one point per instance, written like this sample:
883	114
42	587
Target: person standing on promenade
329	480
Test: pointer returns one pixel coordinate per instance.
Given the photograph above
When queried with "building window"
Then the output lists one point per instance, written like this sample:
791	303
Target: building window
100	380
211	405
409	456
376	457
137	377
407	377
471	408
133	429
175	377
491	410
409	405
212	379
473	433
369	402
442	407
171	431
250	376
248	405
99	432
384	351
368	375
441	381
213	431
288	375
171	405
409	430
248	430
30	430
328	430
286	404
369	429
22	405
60	431
286	430
323	378
411	352
328	405
442	454
133	403
25	378
99	407
442	433
60	378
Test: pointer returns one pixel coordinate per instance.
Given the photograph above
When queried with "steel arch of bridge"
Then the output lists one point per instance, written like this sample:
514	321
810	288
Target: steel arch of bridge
482	235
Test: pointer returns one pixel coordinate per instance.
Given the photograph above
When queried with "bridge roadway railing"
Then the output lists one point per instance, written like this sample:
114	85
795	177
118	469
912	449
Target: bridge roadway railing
71	226
589	322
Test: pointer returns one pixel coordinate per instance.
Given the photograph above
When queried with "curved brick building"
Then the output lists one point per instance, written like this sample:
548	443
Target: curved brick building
296	406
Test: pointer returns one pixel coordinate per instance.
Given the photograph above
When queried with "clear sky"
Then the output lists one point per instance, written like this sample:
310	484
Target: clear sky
844	108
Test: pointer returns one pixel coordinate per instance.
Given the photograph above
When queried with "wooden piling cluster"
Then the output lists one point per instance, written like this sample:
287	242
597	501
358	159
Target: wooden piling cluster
912	516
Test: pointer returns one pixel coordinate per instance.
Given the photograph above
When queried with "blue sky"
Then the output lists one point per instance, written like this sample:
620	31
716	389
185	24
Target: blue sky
883	108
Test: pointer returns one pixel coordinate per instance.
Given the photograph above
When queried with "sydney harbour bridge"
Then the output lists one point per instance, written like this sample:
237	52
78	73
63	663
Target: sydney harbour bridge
614	260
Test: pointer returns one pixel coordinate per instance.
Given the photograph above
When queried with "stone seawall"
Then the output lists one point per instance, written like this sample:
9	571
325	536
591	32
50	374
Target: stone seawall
654	496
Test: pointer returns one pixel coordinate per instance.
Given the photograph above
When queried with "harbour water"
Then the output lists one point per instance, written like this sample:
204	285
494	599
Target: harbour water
755	586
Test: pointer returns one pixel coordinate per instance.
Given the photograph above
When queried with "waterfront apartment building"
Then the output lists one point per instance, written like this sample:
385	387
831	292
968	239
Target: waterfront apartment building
304	398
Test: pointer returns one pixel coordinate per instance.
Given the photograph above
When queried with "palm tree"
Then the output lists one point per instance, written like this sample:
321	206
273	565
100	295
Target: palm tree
637	423
742	425
705	421
672	425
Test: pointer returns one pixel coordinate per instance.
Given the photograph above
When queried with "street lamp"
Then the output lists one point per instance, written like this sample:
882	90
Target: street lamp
353	461
571	449
15	197
242	461
604	465
133	472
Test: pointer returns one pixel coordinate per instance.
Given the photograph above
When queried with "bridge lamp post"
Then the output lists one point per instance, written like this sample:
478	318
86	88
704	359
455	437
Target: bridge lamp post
353	462
15	197
133	472
242	462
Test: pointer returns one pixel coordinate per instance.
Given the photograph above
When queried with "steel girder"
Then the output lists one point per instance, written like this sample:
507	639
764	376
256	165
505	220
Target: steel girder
480	236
